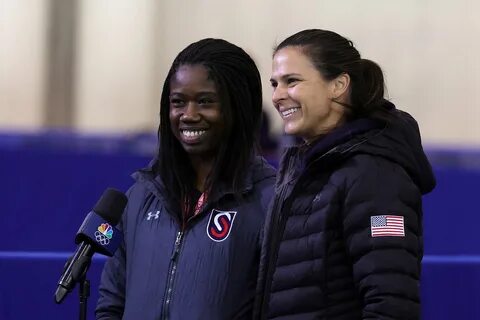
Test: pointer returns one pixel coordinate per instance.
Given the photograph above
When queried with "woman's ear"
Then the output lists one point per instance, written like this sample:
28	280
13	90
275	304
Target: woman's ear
340	86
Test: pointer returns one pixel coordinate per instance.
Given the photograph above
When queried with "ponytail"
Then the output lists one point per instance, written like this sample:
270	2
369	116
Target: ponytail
368	89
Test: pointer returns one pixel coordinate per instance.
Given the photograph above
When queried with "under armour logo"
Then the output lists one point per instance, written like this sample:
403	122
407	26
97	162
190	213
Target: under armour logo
153	215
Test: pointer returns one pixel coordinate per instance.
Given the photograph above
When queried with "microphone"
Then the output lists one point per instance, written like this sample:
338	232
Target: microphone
96	234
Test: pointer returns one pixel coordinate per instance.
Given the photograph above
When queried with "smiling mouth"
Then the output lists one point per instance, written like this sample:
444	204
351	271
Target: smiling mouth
192	134
289	112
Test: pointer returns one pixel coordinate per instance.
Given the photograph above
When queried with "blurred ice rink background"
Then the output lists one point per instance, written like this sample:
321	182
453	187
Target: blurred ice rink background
80	84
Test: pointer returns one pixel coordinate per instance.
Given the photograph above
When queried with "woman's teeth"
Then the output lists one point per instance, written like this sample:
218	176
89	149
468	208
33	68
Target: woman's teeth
287	113
193	133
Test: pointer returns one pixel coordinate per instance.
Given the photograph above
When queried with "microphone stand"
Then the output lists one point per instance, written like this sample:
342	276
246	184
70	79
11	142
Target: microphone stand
83	294
79	274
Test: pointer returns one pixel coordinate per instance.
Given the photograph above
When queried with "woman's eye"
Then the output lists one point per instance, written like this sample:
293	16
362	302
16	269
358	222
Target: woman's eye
274	84
205	101
176	101
292	81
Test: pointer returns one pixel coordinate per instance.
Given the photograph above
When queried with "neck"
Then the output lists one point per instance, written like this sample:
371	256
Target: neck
335	120
202	169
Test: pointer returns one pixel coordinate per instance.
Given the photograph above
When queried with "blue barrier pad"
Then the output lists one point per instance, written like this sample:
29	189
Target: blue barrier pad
450	288
45	195
451	213
50	182
28	285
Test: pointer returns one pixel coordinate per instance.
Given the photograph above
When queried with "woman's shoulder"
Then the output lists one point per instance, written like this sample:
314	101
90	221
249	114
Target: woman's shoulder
137	190
366	162
370	168
140	191
261	172
365	176
261	180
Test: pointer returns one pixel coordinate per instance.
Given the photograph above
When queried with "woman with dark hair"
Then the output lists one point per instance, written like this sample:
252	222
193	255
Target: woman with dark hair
194	217
343	239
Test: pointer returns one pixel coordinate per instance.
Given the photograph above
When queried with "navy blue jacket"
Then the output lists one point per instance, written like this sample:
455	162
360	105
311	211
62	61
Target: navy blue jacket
207	271
327	253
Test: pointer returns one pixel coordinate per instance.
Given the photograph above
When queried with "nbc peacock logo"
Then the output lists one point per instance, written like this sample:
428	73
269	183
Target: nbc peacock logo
103	234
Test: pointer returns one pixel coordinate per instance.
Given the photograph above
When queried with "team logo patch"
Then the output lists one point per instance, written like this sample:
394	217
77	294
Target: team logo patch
220	224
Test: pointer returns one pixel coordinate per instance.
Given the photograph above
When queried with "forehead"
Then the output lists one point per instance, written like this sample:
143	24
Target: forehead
291	60
194	76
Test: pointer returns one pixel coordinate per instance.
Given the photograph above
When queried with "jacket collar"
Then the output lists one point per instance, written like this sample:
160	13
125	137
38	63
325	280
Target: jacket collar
340	139
254	174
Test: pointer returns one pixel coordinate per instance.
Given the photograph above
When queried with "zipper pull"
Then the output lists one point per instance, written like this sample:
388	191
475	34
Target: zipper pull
178	241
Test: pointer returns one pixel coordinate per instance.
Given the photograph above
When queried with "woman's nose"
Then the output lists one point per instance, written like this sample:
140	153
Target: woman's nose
191	112
279	94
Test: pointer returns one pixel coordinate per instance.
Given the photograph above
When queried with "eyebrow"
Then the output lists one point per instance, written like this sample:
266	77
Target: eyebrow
287	76
198	93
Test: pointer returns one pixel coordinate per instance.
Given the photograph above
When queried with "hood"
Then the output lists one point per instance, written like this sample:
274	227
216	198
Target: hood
397	140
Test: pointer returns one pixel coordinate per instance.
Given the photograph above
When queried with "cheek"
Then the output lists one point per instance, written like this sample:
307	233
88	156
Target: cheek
174	122
294	93
300	95
174	116
215	116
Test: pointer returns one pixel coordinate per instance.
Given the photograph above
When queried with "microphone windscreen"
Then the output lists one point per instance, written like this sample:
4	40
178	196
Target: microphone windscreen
110	206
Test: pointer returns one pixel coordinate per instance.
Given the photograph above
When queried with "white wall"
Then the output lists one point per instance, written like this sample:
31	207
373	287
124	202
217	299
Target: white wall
115	71
428	50
23	27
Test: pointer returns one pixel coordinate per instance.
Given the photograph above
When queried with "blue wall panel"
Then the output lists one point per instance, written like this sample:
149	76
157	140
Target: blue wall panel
51	181
28	285
451	215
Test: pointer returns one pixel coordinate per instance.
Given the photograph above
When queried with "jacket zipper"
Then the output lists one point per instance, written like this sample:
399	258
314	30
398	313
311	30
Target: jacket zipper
173	265
278	227
171	274
277	223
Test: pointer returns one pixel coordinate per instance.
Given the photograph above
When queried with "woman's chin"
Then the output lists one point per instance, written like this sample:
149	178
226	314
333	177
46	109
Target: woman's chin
290	129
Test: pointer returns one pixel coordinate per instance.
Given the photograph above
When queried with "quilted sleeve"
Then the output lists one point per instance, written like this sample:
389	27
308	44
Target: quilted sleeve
383	235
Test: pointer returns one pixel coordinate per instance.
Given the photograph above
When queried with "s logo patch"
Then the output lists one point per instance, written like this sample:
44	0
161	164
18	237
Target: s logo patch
220	224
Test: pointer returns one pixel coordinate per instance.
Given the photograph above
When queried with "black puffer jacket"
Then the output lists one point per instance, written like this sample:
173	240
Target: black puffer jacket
323	256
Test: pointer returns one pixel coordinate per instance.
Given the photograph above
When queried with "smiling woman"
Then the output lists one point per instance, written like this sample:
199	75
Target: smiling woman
195	114
343	238
194	217
307	102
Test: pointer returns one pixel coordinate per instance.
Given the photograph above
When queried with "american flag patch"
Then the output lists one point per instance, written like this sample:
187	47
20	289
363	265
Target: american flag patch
387	226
